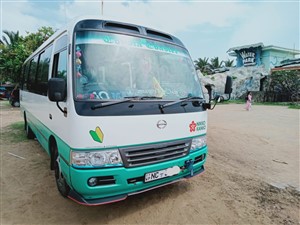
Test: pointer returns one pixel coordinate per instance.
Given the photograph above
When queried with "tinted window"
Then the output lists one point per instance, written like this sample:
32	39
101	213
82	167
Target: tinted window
60	64
61	43
25	76
32	74
43	71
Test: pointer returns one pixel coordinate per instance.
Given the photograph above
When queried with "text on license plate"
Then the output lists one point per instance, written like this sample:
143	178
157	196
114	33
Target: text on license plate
162	174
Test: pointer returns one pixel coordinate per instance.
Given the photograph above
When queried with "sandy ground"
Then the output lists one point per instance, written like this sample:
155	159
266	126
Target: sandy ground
252	177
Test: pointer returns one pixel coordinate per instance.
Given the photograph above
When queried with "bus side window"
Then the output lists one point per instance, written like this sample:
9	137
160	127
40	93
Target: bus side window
43	71
60	65
32	74
25	76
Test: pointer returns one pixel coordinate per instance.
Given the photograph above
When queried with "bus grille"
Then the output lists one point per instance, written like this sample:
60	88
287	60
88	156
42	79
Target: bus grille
154	153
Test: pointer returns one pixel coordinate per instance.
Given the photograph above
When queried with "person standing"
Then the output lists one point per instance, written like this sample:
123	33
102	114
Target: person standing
248	101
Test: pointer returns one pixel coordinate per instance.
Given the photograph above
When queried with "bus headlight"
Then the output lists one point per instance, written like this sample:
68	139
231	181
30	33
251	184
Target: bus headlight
198	143
106	158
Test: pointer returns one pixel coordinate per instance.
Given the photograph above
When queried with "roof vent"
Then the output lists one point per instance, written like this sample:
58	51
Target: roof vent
122	27
155	34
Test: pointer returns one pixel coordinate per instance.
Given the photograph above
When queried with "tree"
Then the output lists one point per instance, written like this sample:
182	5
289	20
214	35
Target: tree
34	40
14	49
286	82
10	39
228	63
214	62
13	53
201	63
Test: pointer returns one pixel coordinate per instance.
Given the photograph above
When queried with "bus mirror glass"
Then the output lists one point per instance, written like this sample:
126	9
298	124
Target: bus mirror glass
57	89
209	90
228	85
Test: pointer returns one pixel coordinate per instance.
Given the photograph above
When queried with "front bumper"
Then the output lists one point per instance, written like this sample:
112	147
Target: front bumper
73	195
130	181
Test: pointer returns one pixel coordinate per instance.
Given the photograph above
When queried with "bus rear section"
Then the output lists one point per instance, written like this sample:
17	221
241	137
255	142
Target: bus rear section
123	110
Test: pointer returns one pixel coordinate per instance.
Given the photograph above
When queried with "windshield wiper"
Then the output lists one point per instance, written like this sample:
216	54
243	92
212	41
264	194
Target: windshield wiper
143	97
130	98
127	99
179	101
100	105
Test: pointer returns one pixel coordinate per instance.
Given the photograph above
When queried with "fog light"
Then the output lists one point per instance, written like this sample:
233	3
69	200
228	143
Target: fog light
92	181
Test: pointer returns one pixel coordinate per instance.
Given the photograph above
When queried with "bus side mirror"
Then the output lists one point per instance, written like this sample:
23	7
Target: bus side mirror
209	91
228	85
57	89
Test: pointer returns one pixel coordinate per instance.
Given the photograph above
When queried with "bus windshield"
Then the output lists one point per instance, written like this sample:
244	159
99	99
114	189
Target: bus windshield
115	66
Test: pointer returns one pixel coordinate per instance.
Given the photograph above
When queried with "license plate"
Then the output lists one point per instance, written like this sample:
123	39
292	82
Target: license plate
162	174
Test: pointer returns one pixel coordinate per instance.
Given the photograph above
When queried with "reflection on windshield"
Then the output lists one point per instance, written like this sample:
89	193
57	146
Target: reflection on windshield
111	66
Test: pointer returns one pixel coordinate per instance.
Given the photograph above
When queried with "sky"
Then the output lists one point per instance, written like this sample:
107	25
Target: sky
207	28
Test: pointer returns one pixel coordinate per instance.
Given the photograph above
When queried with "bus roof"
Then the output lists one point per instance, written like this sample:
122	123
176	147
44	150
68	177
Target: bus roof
100	24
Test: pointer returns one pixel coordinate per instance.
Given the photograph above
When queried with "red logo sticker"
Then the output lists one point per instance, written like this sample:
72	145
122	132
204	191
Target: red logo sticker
193	126
197	126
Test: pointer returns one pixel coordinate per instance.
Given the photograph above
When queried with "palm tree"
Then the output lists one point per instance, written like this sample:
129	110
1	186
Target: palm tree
11	39
229	63
215	62
201	63
11	57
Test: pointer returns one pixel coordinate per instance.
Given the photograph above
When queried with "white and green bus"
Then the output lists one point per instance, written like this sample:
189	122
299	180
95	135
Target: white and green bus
118	107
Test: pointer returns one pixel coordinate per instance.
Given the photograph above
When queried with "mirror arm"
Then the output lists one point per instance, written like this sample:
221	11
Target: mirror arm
216	102
229	96
62	110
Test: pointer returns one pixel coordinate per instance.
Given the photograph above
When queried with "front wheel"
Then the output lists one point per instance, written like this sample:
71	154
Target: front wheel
61	183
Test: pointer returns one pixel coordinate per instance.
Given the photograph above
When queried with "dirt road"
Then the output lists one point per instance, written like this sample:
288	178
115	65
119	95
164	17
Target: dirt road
252	177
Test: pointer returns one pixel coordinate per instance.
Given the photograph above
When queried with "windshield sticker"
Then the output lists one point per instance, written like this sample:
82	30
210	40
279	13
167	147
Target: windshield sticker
97	135
120	40
197	126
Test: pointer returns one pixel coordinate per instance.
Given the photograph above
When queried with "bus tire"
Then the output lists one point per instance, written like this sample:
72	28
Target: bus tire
61	183
51	149
25	121
29	132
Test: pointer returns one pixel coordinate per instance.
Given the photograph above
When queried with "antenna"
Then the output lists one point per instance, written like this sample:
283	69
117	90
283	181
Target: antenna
102	4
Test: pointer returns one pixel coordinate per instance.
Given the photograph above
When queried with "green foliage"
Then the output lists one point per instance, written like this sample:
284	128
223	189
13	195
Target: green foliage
34	40
15	49
294	106
207	68
14	133
12	38
229	63
215	63
201	63
286	81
